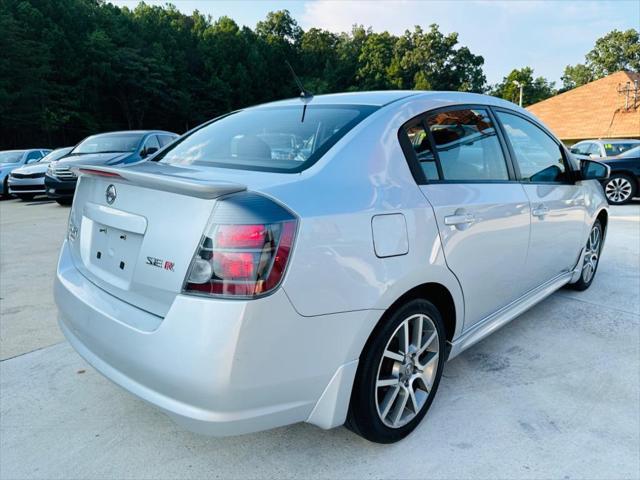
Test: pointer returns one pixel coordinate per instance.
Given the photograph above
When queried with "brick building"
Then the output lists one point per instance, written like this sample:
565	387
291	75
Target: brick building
605	108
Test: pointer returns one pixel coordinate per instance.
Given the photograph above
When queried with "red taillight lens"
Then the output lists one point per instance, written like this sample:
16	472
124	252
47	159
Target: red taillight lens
242	260
240	236
234	265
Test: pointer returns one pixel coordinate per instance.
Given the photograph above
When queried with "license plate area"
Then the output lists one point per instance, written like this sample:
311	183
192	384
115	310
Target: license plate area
109	253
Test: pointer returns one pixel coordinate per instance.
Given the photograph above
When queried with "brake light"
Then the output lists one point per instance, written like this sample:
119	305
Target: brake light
99	173
235	236
239	259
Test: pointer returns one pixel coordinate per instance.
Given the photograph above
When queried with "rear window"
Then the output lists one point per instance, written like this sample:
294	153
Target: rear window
271	139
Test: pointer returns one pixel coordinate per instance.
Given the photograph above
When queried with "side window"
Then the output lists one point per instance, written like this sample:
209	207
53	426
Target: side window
538	155
150	144
594	150
467	145
165	139
421	145
582	149
34	156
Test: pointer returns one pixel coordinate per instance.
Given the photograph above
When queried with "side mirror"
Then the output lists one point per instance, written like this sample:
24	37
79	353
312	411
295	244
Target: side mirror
592	170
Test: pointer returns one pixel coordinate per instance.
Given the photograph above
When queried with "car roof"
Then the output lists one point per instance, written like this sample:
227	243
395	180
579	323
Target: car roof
386	97
373	98
134	132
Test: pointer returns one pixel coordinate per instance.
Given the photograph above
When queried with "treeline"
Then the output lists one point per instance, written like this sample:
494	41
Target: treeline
69	68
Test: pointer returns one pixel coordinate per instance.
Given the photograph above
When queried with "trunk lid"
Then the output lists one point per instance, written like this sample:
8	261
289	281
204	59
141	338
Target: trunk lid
133	231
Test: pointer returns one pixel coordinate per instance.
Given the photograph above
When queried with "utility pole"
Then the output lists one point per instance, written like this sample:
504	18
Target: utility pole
521	86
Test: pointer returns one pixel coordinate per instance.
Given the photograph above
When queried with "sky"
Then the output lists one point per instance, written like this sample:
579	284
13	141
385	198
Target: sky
545	35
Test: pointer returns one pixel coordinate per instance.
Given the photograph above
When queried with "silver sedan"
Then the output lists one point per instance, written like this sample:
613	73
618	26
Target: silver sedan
320	261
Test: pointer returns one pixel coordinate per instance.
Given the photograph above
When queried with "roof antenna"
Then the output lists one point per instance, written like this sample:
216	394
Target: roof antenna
305	95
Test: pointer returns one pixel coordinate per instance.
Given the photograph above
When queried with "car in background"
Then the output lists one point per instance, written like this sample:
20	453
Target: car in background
603	148
12	159
106	149
28	181
623	183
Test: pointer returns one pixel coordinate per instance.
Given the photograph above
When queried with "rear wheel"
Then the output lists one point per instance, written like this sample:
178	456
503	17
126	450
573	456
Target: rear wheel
398	374
591	258
64	201
619	189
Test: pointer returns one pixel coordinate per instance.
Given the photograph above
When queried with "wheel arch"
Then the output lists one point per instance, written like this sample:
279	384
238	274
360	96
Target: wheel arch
603	216
434	292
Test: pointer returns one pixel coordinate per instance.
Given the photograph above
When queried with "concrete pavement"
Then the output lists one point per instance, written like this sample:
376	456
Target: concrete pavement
554	394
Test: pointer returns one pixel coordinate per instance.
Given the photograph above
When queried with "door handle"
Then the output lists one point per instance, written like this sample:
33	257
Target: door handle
461	219
540	211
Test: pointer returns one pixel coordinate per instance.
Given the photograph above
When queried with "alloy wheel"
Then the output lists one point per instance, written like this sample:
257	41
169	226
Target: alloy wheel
407	370
592	253
618	189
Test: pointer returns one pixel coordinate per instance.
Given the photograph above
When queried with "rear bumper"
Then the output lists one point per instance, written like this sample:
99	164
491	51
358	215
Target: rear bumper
26	185
218	367
56	188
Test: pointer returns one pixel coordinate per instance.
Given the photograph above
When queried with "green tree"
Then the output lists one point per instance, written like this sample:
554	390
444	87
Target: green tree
616	51
534	89
576	75
71	68
432	61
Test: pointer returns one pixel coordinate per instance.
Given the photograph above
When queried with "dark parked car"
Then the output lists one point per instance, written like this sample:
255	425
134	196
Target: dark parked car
624	182
12	159
114	148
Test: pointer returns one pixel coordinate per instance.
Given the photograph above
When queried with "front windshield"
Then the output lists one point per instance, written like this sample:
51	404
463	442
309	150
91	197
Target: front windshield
55	155
109	143
11	157
270	139
614	149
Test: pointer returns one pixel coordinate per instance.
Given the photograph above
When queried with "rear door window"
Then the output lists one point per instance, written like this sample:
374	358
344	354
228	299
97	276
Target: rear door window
467	146
421	144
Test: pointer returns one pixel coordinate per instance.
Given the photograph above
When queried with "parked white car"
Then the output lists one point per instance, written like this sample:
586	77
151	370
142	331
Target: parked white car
242	282
12	159
28	181
596	149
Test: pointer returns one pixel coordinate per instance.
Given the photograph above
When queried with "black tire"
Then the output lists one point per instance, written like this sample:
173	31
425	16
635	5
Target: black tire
5	188
363	417
25	197
618	196
64	201
583	284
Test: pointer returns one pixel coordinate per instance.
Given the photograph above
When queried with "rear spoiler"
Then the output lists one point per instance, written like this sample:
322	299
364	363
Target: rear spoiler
152	176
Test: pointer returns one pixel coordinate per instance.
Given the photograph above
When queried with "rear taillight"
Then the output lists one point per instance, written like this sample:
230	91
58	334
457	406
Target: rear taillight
245	250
